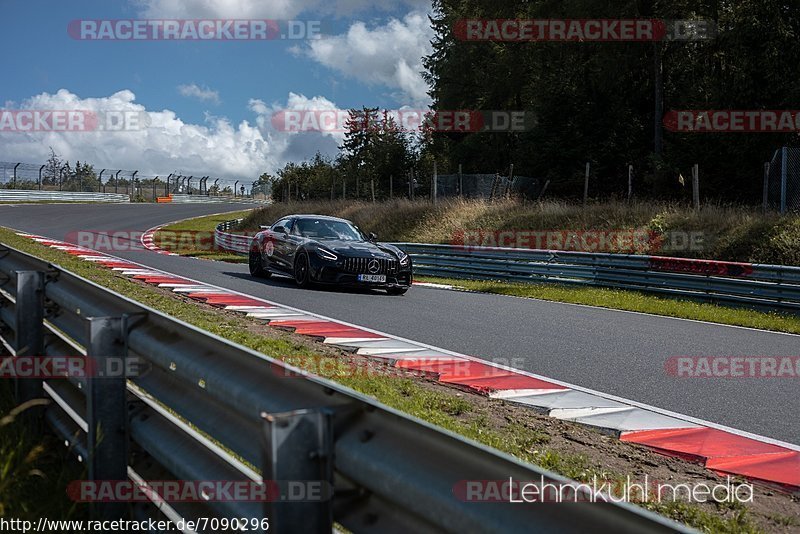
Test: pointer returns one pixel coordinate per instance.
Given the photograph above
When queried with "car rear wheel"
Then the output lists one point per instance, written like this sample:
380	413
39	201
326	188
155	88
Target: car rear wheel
397	290
256	266
302	275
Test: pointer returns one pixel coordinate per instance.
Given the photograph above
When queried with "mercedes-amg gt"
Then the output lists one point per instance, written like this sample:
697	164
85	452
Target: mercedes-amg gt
315	249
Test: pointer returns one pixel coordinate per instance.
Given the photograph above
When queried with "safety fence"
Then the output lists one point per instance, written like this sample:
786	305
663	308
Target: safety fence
58	175
490	186
191	406
782	181
767	287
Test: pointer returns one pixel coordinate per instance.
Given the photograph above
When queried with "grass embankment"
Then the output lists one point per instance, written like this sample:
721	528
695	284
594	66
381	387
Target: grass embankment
569	449
730	233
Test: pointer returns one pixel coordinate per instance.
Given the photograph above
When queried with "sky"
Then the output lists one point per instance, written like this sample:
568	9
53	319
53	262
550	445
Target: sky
207	106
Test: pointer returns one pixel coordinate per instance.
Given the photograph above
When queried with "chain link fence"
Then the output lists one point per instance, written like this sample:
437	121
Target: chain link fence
782	188
488	186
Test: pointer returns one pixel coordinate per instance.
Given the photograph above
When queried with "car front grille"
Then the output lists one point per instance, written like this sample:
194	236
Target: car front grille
361	265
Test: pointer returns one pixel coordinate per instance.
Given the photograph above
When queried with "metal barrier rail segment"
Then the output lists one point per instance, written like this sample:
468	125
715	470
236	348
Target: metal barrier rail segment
10	195
200	407
211	199
764	287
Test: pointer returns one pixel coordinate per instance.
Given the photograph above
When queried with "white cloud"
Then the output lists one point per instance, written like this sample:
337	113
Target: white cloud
203	94
273	9
165	142
389	55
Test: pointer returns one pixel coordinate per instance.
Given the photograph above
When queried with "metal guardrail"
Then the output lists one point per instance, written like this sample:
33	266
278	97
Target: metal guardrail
201	408
771	287
11	195
766	287
212	199
236	243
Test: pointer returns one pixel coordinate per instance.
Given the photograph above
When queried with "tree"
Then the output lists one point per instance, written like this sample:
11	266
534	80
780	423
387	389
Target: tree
52	168
373	150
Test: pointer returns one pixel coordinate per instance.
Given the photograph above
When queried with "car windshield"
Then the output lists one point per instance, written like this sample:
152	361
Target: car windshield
327	229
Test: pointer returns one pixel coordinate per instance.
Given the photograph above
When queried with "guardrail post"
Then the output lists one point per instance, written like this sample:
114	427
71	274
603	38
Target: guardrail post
298	462
29	318
106	408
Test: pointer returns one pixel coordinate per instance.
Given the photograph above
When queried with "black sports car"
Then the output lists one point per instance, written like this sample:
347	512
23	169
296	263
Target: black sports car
328	250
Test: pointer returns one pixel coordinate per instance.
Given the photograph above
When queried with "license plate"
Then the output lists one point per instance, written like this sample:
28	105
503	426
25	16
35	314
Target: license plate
381	278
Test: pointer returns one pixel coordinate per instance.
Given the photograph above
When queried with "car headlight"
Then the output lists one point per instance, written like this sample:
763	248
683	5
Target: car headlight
403	258
327	254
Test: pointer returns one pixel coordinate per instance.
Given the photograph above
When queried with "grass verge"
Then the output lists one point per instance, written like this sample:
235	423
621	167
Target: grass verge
571	450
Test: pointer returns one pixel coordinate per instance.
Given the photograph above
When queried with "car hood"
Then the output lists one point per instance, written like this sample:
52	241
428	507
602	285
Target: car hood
358	248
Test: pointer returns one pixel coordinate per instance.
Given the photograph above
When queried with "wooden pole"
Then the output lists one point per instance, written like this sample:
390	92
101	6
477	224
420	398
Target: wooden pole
630	181
586	183
510	180
434	183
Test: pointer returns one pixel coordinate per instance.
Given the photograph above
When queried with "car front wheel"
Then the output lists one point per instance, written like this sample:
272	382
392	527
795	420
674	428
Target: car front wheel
302	274
256	265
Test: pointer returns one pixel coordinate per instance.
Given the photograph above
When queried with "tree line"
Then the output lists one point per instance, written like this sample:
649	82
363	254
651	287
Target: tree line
597	102
604	102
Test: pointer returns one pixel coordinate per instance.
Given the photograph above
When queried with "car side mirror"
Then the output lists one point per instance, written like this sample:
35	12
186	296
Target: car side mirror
373	236
263	227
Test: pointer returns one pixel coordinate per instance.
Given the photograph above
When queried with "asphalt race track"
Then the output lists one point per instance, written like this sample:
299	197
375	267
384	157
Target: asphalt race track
610	351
